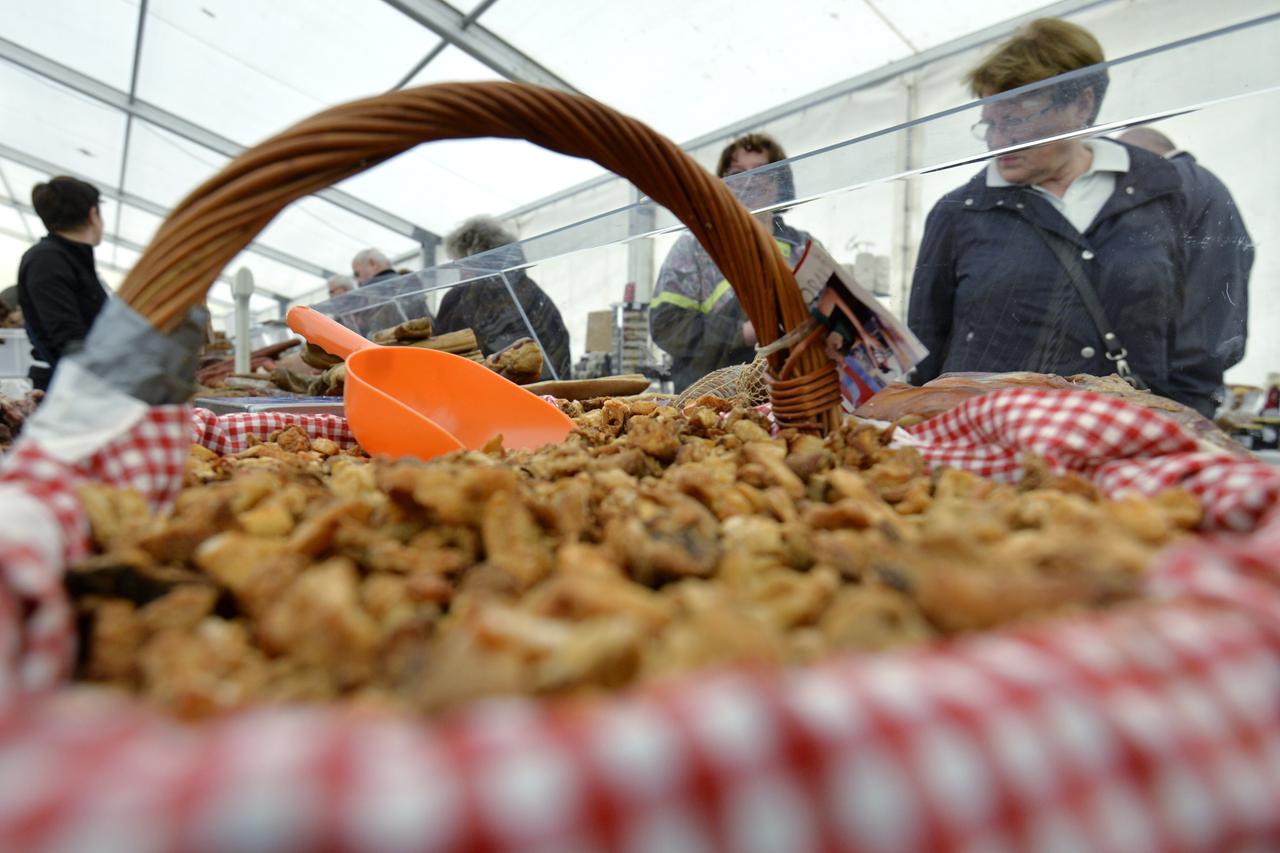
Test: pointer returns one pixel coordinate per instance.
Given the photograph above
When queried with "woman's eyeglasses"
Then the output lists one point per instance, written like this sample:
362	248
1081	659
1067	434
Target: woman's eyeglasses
1008	126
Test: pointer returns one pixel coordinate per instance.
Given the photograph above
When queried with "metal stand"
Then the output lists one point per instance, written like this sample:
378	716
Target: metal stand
242	289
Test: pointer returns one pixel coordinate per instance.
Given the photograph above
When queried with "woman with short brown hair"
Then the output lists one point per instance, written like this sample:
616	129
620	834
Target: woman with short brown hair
1011	261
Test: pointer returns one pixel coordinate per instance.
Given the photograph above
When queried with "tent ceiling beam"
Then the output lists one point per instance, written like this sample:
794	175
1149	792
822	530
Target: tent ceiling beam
125	243
190	131
122	242
133	93
486	47
105	264
149	206
439	49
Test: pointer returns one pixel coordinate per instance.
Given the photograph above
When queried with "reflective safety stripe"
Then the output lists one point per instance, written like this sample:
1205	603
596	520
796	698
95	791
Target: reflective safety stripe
677	299
707	305
710	302
681	301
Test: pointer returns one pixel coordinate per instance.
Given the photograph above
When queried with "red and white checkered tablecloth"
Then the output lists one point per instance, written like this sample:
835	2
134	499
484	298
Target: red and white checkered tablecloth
1119	446
230	433
1154	727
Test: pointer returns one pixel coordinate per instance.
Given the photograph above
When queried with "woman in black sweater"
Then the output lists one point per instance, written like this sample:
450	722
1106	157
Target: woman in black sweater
58	286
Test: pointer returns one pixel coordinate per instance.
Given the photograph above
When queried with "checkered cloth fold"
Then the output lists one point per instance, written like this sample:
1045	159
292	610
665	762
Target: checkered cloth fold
43	529
230	433
1122	448
1152	727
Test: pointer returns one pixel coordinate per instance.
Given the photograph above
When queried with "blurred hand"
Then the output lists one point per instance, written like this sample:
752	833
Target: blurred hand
749	334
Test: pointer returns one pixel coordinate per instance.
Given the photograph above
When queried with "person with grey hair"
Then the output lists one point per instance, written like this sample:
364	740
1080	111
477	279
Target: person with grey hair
477	235
484	305
1215	313
340	284
370	266
370	310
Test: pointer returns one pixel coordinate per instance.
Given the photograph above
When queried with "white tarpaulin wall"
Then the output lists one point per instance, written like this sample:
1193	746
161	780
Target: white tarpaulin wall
146	99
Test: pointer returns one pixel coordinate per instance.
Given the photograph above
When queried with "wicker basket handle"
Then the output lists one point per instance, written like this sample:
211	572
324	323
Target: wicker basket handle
216	221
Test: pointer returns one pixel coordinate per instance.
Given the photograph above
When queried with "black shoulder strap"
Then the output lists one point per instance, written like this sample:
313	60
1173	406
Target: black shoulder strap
1115	351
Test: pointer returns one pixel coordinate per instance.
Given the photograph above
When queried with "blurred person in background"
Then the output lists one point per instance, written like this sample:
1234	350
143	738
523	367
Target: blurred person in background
340	284
695	316
374	312
58	286
1010	261
485	305
1216	313
370	266
9	304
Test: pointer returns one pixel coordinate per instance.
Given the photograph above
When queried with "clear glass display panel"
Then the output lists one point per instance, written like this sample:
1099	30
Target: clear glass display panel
1004	299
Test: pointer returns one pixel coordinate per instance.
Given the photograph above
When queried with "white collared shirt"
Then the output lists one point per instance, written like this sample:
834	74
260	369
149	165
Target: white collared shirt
1087	194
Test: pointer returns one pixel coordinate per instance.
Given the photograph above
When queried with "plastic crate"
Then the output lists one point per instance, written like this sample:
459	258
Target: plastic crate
15	352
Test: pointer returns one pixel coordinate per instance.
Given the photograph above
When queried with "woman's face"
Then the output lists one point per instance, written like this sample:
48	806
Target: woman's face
744	161
758	190
1035	116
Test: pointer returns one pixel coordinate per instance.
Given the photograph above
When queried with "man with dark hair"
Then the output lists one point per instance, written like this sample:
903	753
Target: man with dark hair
695	316
58	286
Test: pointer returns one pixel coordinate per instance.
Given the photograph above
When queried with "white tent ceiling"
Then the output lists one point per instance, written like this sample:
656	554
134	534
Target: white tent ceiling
146	99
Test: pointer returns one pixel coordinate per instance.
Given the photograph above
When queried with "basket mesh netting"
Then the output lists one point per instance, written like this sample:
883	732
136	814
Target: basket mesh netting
738	383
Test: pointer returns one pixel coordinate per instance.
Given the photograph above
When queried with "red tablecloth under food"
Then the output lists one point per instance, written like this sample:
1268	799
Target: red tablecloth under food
1156	726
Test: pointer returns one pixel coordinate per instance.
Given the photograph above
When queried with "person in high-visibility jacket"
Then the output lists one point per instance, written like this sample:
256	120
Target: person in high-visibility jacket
695	315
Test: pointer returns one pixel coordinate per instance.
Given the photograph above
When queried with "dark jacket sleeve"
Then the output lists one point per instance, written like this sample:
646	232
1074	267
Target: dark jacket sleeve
933	287
723	329
552	332
1213	325
677	321
51	294
500	325
674	324
448	315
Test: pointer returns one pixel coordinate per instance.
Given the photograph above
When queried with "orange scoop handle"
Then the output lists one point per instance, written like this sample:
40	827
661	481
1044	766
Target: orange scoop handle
325	332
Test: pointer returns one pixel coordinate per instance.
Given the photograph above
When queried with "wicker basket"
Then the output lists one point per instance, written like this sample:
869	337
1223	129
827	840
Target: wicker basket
215	222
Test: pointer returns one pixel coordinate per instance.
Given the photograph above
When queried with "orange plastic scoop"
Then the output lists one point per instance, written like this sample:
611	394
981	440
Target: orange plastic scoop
409	401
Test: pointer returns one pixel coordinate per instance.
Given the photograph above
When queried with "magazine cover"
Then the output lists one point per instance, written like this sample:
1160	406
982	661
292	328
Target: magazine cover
872	346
